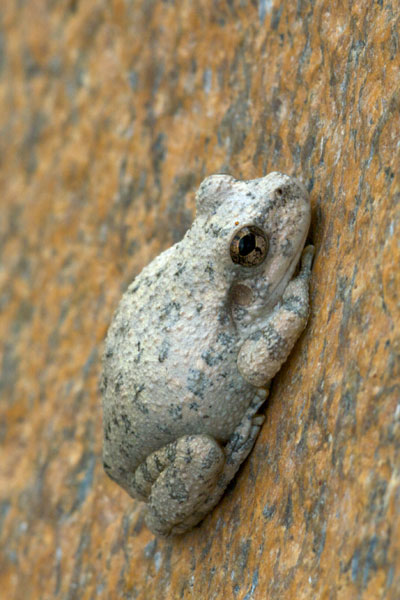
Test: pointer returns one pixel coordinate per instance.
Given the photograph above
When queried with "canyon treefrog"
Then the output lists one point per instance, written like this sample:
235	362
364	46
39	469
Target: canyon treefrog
195	341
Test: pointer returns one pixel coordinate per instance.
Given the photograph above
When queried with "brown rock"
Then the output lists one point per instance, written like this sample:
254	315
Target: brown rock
111	114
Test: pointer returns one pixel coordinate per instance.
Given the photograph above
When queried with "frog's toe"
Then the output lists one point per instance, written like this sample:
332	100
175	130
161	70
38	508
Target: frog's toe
307	258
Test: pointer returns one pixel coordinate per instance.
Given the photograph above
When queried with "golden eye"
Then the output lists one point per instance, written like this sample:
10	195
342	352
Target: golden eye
249	246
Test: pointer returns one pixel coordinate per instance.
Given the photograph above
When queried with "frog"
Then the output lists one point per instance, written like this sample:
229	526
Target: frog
195	342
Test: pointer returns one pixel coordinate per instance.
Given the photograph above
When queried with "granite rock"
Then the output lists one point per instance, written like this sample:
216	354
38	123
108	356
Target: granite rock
111	115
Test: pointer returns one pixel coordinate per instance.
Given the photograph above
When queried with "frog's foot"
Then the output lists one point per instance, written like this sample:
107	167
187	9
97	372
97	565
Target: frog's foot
177	481
236	451
184	480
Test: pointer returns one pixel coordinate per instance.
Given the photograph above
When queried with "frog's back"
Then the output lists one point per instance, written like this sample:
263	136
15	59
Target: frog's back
169	363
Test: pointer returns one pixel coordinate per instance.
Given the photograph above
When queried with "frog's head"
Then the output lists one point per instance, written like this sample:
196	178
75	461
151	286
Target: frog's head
257	230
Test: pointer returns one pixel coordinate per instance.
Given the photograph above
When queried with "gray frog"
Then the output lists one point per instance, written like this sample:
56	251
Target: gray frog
195	341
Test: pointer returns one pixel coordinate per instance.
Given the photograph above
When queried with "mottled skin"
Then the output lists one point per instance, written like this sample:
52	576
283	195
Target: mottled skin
194	343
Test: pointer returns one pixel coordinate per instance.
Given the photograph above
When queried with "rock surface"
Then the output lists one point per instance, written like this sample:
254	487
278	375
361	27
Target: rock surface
111	114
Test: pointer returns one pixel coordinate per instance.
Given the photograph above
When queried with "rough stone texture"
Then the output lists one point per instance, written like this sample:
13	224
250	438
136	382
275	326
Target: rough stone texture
111	114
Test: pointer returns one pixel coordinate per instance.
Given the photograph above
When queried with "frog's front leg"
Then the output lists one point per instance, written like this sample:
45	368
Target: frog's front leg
263	353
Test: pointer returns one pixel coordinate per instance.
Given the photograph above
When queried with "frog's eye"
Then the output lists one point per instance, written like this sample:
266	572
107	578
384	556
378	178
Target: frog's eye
249	246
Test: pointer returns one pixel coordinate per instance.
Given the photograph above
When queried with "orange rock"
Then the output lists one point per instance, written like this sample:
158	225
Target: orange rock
111	114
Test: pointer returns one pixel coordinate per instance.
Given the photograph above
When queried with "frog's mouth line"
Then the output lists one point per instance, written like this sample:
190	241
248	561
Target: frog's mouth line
277	291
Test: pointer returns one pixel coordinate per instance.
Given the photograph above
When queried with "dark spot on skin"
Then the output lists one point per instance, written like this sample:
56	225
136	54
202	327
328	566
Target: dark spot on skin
118	382
171	452
211	358
164	351
212	457
180	269
120	333
276	344
123	450
143	409
171	310
175	411
135	400
134	289
103	384
210	272
188	457
196	382
256	336
225	339
176	489
126	422
145	472
223	317
107	431
162	428
215	230
139	353
296	305
158	463
240	312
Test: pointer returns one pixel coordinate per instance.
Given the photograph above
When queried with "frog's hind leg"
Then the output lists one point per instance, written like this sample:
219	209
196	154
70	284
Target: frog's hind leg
177	481
236	451
184	480
149	470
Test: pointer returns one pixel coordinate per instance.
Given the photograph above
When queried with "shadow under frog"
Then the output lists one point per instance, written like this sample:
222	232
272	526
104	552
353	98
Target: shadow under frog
195	341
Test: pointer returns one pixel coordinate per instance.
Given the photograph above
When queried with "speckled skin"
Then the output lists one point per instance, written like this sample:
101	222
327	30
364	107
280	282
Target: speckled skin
194	344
